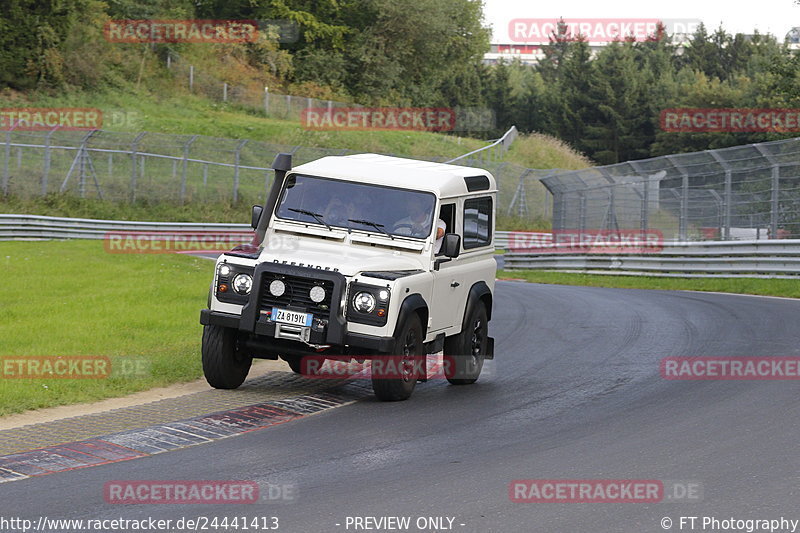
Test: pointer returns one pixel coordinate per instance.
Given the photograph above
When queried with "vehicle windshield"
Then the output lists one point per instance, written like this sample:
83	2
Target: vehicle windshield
357	206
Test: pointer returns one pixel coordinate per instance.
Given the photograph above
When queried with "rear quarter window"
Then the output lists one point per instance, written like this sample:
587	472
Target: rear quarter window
477	222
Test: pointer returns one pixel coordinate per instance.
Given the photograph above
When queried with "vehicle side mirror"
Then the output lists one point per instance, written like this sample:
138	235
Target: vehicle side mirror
257	210
451	245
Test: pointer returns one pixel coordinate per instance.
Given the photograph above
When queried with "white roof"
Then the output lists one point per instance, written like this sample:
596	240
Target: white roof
440	178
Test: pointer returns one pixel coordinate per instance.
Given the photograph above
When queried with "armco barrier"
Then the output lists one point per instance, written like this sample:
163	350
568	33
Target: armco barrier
763	258
36	227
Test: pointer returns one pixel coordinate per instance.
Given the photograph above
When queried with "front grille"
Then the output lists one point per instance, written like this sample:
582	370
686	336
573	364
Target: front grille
296	294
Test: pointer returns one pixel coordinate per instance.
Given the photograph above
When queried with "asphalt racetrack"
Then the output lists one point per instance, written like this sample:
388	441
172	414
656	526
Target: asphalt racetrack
574	393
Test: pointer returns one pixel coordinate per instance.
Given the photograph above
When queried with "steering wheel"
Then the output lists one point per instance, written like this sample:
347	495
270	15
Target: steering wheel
411	232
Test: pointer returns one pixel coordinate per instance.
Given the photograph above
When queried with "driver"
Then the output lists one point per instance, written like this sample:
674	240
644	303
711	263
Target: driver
417	222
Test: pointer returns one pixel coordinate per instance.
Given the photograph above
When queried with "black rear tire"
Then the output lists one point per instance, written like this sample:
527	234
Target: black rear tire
464	353
404	361
224	366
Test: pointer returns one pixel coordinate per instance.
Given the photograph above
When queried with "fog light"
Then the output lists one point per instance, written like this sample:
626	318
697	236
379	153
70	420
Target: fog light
224	270
277	288
317	294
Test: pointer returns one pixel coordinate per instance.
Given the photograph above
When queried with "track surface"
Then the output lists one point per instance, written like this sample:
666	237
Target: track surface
574	393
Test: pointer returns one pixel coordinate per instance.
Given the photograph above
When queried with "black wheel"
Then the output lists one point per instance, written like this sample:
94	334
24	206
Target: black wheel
395	375
464	353
223	365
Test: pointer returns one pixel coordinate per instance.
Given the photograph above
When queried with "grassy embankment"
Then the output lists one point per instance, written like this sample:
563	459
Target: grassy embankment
183	113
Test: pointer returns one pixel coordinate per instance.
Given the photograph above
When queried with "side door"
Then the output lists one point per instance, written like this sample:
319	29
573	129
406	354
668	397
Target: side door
449	281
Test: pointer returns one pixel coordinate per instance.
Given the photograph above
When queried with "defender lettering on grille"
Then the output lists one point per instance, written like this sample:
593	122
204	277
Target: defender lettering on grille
306	265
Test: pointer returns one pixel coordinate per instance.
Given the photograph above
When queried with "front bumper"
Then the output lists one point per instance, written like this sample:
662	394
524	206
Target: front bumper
263	335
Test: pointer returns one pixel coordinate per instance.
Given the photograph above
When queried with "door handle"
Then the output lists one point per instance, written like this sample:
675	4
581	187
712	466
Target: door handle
454	284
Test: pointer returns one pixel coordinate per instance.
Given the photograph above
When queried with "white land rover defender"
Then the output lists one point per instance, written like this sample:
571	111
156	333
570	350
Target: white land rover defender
346	263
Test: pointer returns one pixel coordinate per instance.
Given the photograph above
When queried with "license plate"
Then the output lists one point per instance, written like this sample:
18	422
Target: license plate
295	318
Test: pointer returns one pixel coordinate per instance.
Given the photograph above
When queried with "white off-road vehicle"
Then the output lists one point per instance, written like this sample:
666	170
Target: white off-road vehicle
349	261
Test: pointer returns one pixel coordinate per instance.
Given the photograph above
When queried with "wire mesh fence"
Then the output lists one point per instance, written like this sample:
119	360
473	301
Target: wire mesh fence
158	167
742	192
271	103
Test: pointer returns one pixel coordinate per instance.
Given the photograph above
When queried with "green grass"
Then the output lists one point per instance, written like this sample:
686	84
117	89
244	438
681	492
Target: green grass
766	287
177	112
66	298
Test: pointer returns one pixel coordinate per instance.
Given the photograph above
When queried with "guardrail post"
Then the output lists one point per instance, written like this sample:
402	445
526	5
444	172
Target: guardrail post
774	202
185	164
288	105
683	216
236	170
191	77
266	101
134	164
774	191
46	171
6	174
224	91
728	202
683	221
728	198
581	212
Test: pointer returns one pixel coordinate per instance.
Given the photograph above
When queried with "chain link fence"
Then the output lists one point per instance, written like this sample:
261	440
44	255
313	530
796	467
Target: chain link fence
743	192
467	120
158	167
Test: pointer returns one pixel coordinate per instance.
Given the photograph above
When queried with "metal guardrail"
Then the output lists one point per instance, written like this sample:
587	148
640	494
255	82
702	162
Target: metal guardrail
37	227
763	258
502	144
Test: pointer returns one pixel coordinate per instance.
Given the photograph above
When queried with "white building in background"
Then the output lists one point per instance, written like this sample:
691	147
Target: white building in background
523	39
793	38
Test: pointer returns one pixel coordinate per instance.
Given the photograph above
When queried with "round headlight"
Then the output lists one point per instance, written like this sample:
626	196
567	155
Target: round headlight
224	270
317	294
383	295
364	302
277	288
242	283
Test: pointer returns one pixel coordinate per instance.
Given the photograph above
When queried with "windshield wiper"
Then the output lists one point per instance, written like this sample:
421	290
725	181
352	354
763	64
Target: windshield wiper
375	225
316	216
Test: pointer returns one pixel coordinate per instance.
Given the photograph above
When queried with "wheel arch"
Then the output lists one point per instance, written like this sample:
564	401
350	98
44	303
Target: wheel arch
414	303
478	293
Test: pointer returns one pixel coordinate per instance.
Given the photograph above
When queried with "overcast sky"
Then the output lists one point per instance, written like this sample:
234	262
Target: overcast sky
768	16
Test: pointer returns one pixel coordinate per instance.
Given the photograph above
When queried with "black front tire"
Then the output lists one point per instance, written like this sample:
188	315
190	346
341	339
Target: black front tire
464	353
404	363
224	366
